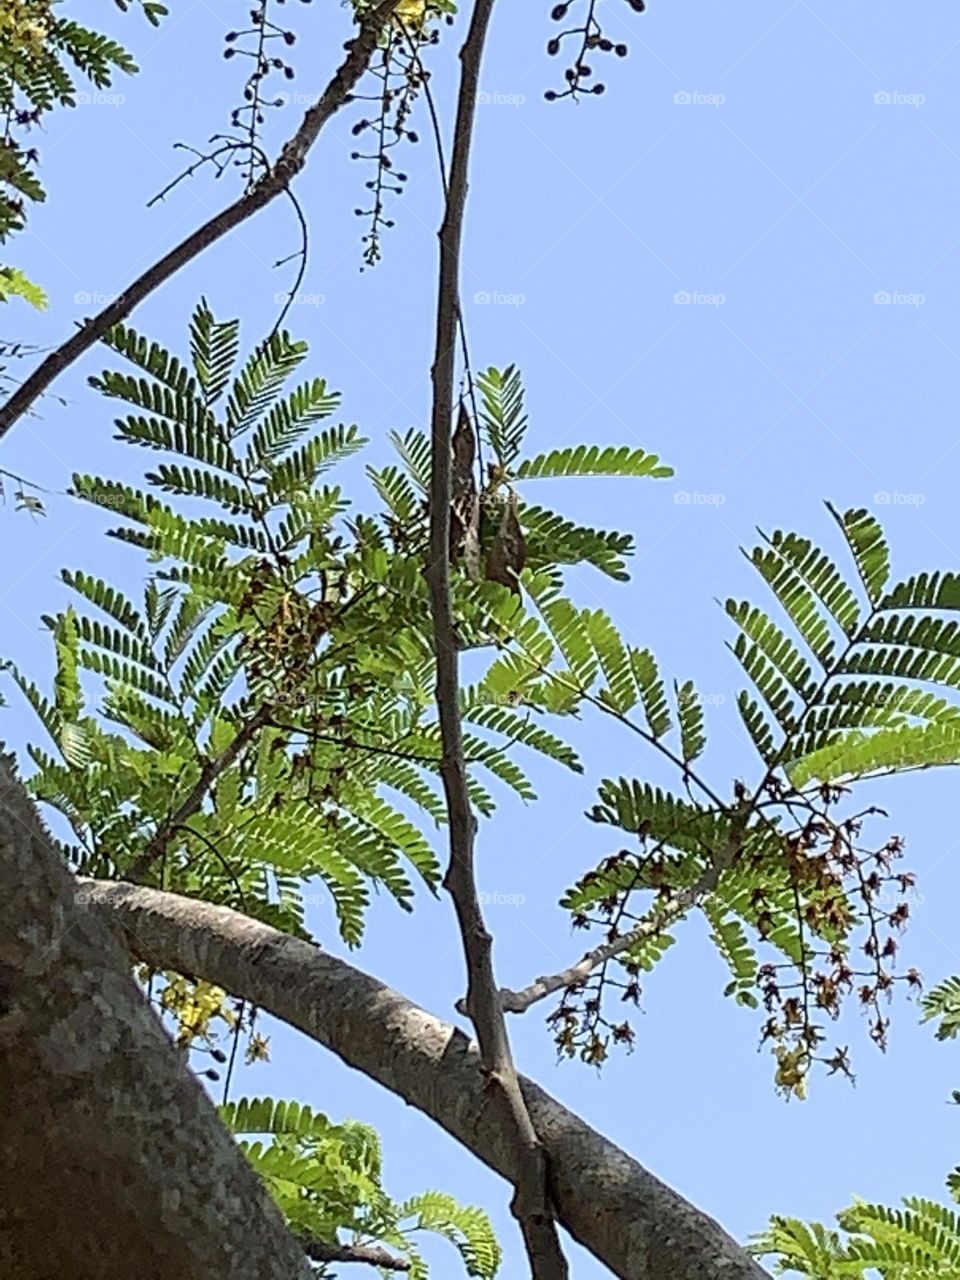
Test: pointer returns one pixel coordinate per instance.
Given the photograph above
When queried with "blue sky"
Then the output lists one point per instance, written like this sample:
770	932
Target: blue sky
786	166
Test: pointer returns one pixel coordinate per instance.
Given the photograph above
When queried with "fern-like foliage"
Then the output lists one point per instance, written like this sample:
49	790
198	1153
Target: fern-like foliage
854	676
42	55
276	677
918	1241
327	1181
869	685
942	1003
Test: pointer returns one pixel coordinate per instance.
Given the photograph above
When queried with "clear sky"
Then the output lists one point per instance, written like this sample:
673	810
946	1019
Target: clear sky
785	163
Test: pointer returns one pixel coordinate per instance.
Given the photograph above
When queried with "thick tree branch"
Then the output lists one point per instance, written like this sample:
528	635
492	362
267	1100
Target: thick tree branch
267	188
531	1201
627	1218
113	1162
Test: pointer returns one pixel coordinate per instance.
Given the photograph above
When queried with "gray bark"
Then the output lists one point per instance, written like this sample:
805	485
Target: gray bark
628	1219
113	1162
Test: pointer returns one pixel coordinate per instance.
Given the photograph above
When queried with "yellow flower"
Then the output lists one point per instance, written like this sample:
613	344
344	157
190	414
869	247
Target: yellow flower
24	28
412	13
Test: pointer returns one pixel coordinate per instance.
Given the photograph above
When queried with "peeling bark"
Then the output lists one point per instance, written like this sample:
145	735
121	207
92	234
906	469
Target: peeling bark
113	1162
628	1219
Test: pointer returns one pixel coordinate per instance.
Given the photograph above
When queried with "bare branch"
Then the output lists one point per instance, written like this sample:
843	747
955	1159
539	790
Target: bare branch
661	915
531	1201
372	1255
629	1220
267	188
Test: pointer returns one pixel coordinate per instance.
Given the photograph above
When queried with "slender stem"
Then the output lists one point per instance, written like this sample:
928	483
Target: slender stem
660	916
531	1204
208	775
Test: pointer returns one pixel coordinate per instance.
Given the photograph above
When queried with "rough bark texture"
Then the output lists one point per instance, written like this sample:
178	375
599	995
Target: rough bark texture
625	1216
113	1162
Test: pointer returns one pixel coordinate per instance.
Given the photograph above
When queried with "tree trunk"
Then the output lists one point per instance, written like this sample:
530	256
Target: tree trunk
113	1162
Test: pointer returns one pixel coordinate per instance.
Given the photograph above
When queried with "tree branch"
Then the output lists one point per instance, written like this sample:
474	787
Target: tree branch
531	1200
628	1219
372	1255
267	188
113	1162
660	915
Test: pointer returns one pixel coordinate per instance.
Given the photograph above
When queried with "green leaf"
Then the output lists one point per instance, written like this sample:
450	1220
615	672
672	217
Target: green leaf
14	284
213	350
776	647
288	420
797	601
858	755
592	460
259	381
690	716
943	1003
653	695
502	415
821	575
866	542
552	540
300	470
925	591
107	598
414	450
466	1227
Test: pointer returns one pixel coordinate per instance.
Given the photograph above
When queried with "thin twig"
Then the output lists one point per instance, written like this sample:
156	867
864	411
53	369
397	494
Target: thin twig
267	188
660	916
208	775
531	1204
